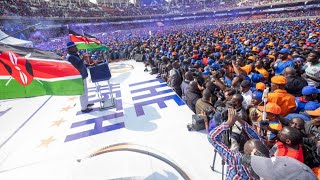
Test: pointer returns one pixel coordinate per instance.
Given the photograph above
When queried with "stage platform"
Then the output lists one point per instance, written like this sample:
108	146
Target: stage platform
143	137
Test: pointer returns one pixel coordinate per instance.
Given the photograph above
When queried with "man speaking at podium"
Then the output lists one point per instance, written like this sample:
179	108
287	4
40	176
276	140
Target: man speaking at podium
75	60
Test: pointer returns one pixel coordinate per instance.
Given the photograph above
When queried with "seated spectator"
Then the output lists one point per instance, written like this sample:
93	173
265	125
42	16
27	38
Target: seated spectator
280	167
295	83
283	62
274	124
289	144
204	103
185	84
310	94
280	96
193	95
238	137
246	93
255	115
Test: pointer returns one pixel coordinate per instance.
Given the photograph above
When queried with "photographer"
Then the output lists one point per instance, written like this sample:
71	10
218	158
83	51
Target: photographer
234	159
193	94
205	102
238	137
311	142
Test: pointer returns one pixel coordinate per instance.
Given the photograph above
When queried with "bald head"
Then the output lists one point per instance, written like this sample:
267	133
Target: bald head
206	94
193	85
189	76
261	149
289	71
176	64
238	97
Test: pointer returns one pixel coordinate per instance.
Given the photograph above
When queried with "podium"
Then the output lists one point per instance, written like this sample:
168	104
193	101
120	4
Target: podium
99	73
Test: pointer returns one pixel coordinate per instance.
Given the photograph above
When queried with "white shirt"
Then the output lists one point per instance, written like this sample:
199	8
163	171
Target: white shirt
247	97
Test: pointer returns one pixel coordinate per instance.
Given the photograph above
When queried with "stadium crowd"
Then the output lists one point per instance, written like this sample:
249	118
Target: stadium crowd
222	72
78	9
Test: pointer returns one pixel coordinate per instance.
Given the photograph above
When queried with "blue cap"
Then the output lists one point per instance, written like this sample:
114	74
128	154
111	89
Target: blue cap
216	54
210	61
284	51
308	90
70	44
256	77
311	106
199	62
95	57
257	95
206	73
215	66
298	59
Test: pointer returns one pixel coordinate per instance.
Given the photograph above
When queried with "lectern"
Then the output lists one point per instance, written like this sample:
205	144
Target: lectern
99	73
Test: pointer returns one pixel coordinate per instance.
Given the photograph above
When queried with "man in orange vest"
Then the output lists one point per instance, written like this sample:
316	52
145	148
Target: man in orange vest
290	144
280	96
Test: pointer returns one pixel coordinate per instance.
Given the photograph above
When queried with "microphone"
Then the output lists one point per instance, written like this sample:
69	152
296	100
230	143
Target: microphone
265	100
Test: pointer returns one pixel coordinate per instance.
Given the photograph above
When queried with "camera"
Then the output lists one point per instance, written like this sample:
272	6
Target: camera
264	124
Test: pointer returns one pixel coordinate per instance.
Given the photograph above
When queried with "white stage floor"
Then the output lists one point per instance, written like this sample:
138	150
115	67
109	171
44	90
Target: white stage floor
48	137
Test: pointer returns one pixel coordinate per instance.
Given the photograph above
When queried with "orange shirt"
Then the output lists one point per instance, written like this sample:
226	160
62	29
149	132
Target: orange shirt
285	100
246	68
264	72
284	151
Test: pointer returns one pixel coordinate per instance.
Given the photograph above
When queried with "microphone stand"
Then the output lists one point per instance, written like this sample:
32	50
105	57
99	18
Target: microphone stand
263	133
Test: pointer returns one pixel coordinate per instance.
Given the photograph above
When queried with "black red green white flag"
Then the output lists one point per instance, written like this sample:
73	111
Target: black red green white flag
27	72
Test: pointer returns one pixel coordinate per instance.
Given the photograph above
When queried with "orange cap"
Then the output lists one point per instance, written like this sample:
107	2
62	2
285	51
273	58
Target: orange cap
272	57
279	79
254	49
260	86
270	44
251	58
314	113
271	108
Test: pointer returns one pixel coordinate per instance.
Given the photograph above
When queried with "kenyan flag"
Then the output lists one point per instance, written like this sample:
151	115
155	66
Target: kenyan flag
27	72
83	42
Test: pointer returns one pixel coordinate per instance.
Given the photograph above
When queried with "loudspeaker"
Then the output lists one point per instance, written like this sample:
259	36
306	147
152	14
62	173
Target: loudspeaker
100	72
198	122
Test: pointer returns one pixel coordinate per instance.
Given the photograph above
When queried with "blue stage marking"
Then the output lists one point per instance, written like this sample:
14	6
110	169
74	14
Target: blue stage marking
160	101
5	111
150	88
152	94
98	128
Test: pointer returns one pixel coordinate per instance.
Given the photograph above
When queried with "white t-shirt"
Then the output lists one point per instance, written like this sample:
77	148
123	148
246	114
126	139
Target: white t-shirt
247	97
